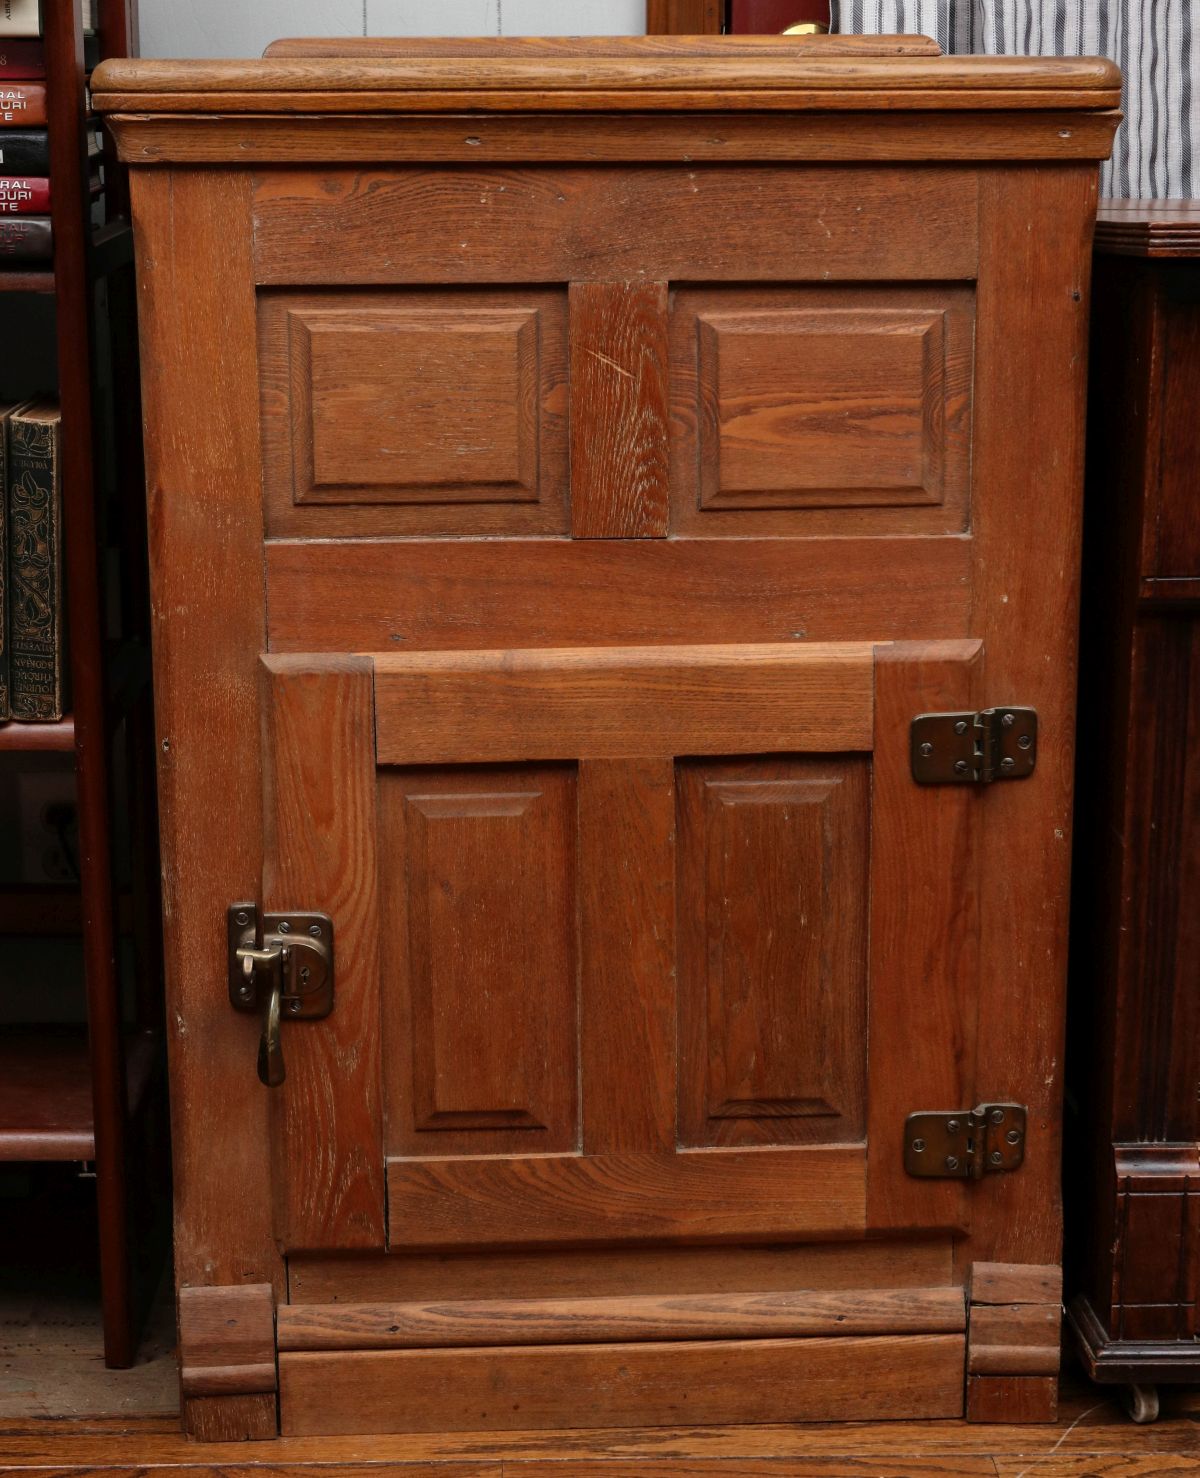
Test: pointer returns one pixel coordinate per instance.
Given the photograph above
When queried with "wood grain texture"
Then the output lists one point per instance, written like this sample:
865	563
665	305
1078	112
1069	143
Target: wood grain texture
1032	297
618	410
684	17
205	531
561	137
1023	1339
623	73
320	855
1149	228
627	922
614	1320
621	1272
454	594
1012	1398
597	1385
477	227
1015	1283
698	1195
479	948
418	412
820	410
227	1340
232	1418
925	864
772	971
617	703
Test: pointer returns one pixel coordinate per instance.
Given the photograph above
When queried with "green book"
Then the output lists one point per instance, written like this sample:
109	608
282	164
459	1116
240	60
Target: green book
35	605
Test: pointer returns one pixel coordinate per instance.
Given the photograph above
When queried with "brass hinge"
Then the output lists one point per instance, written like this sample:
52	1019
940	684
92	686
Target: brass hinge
964	748
967	1144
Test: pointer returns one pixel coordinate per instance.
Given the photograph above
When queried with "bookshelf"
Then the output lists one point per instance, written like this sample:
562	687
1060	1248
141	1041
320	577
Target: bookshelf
86	1093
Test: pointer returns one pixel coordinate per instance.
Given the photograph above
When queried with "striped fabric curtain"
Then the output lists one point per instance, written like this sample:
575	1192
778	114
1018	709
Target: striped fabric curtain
1156	43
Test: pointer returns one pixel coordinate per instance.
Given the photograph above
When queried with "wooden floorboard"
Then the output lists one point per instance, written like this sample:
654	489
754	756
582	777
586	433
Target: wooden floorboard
1092	1439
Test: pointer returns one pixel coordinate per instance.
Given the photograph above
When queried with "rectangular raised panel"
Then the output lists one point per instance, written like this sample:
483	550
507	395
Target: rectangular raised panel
701	1195
672	1383
821	410
477	877
773	868
621	702
414	412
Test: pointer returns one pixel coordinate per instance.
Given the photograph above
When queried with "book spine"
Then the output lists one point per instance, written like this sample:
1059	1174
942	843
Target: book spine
26	196
5	705
24	151
35	570
20	18
25	239
22	59
23	105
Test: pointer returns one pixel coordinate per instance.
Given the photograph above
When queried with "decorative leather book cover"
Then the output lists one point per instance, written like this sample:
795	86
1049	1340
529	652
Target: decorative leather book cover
24	151
5	706
26	195
22	59
35	563
22	104
20	18
25	239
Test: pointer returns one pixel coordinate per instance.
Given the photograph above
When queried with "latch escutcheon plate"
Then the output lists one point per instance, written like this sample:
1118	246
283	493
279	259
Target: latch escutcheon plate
305	940
974	748
965	1144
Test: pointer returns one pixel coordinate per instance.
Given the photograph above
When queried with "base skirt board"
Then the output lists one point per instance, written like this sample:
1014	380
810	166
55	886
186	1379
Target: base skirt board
694	1383
1124	1361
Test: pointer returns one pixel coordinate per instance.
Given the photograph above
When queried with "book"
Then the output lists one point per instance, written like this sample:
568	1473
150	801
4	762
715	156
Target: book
24	195
24	151
20	18
22	58
22	104
35	630
25	239
5	706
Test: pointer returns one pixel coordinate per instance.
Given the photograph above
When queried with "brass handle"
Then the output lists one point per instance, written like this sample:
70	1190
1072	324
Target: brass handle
271	1071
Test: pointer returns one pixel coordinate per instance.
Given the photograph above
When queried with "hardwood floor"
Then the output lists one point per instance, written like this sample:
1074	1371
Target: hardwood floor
1092	1439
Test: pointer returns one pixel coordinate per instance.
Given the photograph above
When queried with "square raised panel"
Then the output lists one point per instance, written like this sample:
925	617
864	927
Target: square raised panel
821	410
414	412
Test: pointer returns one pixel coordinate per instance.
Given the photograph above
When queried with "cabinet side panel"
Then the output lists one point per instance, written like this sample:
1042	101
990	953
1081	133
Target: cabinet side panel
202	471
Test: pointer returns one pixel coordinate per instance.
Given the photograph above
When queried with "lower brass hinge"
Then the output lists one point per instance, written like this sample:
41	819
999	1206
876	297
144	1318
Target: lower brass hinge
965	748
967	1144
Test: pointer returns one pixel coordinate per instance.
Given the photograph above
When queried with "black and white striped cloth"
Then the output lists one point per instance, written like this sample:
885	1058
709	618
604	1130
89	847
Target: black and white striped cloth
1156	43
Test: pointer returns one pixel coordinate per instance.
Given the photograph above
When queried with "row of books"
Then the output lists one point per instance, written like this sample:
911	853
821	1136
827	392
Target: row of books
25	230
32	644
24	17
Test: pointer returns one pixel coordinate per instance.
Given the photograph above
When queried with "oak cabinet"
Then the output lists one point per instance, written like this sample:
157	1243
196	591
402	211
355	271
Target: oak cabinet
572	468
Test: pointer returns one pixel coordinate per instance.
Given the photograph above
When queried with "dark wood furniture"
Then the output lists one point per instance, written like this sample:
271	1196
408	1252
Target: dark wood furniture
81	1095
573	466
1136	1233
736	17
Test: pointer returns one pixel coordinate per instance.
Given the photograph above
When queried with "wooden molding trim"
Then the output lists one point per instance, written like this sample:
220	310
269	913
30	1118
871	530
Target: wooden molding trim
227	1341
1013	1342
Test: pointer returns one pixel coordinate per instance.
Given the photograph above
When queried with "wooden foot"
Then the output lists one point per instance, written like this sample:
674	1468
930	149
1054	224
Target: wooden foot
1014	1338
227	1358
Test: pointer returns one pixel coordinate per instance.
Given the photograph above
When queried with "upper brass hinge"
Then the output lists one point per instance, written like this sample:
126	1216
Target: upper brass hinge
965	1144
965	748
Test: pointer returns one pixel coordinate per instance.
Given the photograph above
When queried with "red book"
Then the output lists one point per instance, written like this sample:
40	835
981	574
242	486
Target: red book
22	104
24	195
21	58
770	17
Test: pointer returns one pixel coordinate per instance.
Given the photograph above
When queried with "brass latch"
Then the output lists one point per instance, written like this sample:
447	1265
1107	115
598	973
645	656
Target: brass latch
282	967
965	748
965	1145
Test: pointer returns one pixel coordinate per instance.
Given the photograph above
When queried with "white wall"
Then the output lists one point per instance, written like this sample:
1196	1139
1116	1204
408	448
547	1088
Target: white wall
241	28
